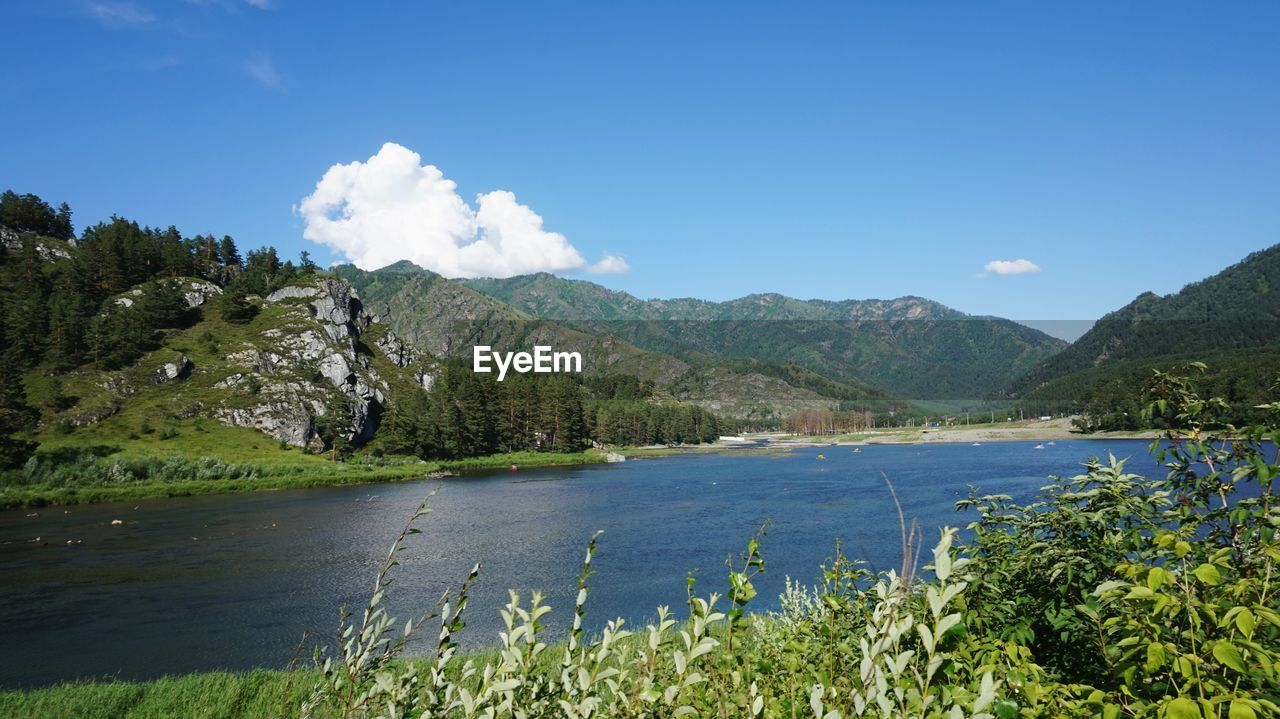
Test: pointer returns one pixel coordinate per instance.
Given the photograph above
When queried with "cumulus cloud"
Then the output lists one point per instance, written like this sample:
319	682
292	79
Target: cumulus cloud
392	207
1010	267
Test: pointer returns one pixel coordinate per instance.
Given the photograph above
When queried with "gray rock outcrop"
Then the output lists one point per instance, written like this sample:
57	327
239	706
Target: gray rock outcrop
308	369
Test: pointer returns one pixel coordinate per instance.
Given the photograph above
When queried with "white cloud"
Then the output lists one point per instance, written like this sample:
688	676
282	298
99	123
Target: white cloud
392	207
260	68
119	13
260	4
610	265
1010	267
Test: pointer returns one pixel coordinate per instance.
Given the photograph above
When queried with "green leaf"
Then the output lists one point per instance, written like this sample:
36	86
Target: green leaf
1208	574
1181	708
1229	655
1245	622
1240	710
1155	657
1006	709
1155	578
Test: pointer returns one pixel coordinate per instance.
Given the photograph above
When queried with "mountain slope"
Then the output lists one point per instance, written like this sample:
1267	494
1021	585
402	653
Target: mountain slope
909	347
1236	309
446	319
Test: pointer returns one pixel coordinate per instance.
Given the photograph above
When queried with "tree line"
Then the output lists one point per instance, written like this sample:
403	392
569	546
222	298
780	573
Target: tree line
465	414
65	312
58	294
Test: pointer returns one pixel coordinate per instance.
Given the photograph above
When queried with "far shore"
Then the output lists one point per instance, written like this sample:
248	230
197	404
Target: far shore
296	476
1024	431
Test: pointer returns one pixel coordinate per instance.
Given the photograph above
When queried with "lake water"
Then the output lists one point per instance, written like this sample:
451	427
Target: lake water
232	581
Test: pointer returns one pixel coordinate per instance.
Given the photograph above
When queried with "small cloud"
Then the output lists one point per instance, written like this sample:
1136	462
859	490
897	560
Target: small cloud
610	265
116	14
264	71
260	4
1010	267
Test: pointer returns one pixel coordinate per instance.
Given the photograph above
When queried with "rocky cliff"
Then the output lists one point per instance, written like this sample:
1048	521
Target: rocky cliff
312	359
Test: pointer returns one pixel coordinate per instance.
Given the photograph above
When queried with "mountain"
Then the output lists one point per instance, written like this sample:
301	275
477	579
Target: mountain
909	347
446	318
1232	313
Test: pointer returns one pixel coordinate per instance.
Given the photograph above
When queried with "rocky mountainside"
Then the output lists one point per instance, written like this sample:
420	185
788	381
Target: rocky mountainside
311	352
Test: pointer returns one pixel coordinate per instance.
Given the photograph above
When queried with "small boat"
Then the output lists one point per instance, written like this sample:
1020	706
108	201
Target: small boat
856	450
1039	446
1051	443
977	444
822	456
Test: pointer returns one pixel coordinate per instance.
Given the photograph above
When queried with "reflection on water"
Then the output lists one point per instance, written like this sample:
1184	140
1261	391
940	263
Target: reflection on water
232	581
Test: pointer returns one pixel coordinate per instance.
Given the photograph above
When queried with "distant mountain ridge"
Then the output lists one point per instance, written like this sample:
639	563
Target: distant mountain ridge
551	297
908	347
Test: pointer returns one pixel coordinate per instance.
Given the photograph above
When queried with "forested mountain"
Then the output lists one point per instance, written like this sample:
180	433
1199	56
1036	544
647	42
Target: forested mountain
908	347
1230	322
1237	309
446	319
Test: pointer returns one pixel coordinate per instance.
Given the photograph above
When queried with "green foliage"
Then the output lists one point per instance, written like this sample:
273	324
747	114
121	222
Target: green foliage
1217	319
64	304
1108	397
466	414
16	418
88	469
29	213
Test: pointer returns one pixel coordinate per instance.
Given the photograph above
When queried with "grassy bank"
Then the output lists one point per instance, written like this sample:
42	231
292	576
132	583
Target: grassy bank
251	695
85	475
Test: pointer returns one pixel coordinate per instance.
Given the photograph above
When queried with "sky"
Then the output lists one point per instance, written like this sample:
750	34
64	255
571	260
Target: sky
1038	161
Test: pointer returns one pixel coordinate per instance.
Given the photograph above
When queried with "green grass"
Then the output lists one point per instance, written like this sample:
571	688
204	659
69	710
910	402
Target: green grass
523	459
252	695
254	463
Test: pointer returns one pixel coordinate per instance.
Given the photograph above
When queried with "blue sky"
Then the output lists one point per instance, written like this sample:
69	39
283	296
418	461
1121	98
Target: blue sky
835	150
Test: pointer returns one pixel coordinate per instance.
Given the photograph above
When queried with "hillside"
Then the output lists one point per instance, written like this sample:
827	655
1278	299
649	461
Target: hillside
446	318
908	347
1233	311
137	361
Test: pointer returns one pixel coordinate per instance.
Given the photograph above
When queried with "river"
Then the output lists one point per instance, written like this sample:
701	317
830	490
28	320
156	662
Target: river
232	581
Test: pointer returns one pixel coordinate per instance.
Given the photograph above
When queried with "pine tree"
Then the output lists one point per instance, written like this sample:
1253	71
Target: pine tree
16	415
234	306
62	226
227	250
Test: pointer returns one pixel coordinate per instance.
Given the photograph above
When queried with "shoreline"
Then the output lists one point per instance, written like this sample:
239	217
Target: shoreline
283	478
301	476
1037	431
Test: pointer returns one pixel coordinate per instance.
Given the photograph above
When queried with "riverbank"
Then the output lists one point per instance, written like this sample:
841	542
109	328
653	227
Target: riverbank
259	476
1025	431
